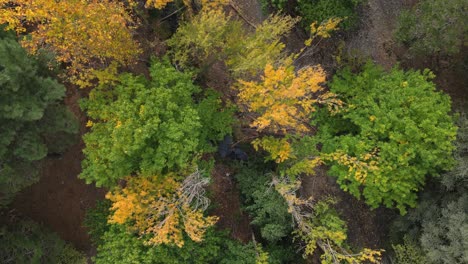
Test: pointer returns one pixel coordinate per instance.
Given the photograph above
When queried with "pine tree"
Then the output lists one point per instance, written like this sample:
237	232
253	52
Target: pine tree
31	117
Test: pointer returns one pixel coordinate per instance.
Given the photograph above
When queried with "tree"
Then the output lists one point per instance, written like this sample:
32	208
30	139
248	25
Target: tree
149	126
321	10
285	99
28	242
439	223
83	35
161	207
31	115
116	245
434	26
394	130
213	36
264	204
318	225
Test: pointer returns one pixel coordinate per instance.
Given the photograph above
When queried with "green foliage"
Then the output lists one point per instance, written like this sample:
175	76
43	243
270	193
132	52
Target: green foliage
118	246
216	123
321	10
394	130
409	253
201	40
28	242
326	226
212	36
434	26
149	126
276	4
96	221
440	221
33	122
264	204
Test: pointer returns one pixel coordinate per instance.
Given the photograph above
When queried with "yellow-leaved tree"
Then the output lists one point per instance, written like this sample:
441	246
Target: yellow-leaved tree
83	35
163	208
284	98
283	101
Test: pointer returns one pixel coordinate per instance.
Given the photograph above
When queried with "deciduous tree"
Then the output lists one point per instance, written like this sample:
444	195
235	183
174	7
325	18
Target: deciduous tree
162	208
149	126
83	35
394	130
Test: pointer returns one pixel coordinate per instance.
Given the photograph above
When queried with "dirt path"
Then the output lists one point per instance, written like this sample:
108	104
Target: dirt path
59	200
226	198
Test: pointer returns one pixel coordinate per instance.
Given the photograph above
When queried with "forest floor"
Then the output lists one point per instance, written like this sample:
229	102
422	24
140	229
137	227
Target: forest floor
59	200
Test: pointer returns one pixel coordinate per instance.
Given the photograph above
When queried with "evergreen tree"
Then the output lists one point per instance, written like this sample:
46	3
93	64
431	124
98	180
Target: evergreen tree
31	117
28	242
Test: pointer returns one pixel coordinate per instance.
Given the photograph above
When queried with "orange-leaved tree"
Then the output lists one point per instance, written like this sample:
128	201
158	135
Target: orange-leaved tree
162	207
83	35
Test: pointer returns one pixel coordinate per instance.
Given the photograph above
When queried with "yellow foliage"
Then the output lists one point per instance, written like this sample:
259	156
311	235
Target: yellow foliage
359	167
279	149
158	4
325	28
84	35
158	206
213	4
283	98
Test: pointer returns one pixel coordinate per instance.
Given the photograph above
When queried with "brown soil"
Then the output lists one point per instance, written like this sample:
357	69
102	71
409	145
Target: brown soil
60	200
225	197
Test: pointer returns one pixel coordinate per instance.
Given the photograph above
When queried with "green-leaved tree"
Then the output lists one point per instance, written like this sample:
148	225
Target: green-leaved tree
394	130
150	126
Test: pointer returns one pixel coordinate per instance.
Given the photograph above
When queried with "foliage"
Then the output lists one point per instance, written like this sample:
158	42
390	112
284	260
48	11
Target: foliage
149	126
96	221
120	246
158	4
261	48
84	35
318	225
213	36
440	221
33	122
161	207
393	131
327	225
284	101
117	245
409	253
283	98
321	10
434	26
28	242
279	148
264	204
